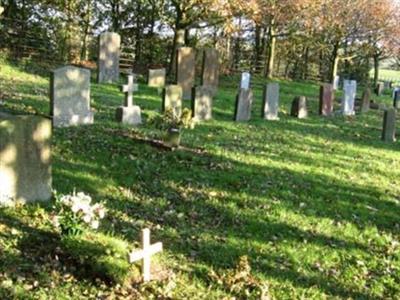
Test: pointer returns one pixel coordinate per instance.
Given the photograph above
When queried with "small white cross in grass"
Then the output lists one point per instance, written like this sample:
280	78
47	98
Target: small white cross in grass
145	254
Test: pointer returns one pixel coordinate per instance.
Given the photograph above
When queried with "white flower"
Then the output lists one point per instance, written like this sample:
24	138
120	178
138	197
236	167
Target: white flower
95	224
102	213
87	218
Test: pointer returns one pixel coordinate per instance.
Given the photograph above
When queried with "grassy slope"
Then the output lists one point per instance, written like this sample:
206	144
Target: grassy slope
314	203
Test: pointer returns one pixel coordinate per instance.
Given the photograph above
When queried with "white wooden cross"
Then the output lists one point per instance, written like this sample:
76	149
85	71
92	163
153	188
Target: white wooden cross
128	89
145	254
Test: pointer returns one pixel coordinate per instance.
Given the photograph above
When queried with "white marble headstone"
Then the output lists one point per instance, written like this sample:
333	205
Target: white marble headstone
349	97
245	81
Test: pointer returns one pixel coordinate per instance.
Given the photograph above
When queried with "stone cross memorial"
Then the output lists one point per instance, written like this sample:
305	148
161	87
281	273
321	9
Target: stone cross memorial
172	98
157	77
70	97
389	125
210	69
186	70
202	103
129	114
299	108
244	101
108	57
145	254
326	96
270	108
25	159
365	101
349	97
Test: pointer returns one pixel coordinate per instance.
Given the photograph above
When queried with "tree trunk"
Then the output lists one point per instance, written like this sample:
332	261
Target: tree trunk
257	48
179	41
376	69
334	62
271	52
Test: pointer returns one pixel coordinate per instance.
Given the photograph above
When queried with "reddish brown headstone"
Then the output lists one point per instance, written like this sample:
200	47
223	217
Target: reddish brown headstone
326	100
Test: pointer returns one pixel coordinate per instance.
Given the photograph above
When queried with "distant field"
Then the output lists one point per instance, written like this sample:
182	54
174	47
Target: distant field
390	75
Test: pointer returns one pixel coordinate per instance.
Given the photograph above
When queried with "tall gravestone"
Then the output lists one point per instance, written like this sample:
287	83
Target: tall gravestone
172	99
379	88
25	159
244	101
210	69
326	97
108	57
396	100
186	70
365	101
389	125
156	77
245	81
129	114
202	103
349	97
270	109
70	97
299	108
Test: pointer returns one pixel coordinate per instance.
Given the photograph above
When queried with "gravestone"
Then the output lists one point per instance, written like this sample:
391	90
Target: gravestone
299	108
389	125
244	101
365	101
202	103
336	83
271	102
210	69
326	98
379	88
25	159
396	100
145	254
129	114
386	84
172	98
157	78
245	81
108	57
186	70
70	97
394	91
349	97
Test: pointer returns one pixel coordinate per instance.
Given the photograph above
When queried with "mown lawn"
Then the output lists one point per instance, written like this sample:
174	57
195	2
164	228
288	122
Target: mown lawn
314	204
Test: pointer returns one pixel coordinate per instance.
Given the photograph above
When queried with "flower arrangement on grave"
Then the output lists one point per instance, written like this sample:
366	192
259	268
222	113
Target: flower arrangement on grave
75	213
173	124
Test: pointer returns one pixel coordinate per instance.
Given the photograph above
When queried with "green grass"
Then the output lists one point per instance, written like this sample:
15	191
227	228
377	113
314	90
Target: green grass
387	75
314	204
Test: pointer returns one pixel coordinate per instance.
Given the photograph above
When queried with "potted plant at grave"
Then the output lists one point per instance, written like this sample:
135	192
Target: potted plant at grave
173	124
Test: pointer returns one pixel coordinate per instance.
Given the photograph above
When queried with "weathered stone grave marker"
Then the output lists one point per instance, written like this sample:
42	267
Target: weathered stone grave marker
202	103
25	159
210	69
156	78
108	59
172	98
271	102
349	97
186	70
299	108
396	100
326	98
244	99
389	125
145	254
365	101
129	113
379	88
70	97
